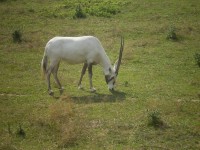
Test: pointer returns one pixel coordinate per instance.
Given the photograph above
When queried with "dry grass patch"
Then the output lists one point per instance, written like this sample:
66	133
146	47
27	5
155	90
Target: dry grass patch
70	124
62	121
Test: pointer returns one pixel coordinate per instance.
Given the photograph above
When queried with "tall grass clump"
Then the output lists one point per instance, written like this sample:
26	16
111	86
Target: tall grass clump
79	13
155	120
17	36
20	132
171	35
104	9
3	0
197	58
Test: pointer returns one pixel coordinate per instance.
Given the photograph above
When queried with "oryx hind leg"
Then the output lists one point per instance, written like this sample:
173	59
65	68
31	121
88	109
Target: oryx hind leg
82	74
55	75
49	71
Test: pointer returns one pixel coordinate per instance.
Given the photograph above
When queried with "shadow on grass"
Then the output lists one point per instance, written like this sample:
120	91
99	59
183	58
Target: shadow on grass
98	98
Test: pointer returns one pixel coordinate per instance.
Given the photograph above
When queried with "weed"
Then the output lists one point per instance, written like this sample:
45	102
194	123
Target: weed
197	58
79	13
126	83
3	0
155	120
104	9
21	132
17	36
171	35
9	129
31	10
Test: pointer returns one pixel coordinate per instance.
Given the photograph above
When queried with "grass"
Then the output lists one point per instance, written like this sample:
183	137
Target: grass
156	75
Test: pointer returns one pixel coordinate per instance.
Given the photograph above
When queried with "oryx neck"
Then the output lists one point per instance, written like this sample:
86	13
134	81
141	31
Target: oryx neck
106	64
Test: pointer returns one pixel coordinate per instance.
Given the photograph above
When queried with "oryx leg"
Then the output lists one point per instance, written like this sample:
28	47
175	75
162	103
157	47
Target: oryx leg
82	74
92	89
55	74
48	80
49	71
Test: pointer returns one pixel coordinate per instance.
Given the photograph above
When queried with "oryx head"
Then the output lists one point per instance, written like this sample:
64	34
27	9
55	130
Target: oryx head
113	72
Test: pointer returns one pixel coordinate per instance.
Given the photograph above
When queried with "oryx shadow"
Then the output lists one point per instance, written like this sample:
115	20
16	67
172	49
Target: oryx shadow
115	96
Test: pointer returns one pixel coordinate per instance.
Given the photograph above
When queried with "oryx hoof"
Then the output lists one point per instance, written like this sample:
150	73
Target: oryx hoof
80	87
93	90
51	93
61	90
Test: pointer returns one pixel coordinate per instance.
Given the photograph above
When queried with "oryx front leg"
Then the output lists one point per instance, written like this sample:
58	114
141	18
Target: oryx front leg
48	80
55	74
92	89
82	74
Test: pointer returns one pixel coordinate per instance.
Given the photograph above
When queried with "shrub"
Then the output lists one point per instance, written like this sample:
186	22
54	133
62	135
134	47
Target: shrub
197	58
21	132
171	35
104	9
31	10
126	83
155	120
17	36
3	0
79	13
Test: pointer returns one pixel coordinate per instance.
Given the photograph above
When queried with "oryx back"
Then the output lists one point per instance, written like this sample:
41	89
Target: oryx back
74	50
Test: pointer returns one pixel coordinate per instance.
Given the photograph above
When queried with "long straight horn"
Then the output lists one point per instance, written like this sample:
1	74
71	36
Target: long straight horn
120	55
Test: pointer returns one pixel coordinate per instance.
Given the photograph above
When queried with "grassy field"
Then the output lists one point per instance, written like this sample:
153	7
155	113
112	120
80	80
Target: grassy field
157	100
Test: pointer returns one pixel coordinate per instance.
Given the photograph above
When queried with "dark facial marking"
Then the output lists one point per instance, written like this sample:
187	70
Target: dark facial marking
108	79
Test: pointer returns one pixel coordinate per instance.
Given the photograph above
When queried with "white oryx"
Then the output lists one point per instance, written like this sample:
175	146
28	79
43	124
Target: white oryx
76	50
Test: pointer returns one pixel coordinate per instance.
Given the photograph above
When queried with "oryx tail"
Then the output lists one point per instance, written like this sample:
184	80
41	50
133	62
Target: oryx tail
44	64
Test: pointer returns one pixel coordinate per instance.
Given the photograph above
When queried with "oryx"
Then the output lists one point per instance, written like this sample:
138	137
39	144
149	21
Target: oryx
75	50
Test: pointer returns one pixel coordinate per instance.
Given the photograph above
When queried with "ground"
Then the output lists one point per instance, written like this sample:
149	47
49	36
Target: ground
157	98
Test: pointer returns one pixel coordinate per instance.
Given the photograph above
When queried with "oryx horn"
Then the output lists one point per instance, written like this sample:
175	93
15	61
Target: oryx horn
120	55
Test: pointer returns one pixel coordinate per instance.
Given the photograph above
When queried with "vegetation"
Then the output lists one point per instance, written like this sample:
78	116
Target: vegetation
79	13
172	34
197	58
155	120
157	99
17	36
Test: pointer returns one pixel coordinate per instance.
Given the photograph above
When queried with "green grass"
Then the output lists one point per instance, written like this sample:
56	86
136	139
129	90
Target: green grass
156	75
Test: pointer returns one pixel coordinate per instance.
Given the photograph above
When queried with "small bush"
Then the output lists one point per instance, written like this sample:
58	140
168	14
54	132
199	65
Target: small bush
17	36
21	132
31	10
79	13
155	120
197	58
171	35
126	83
104	9
3	0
